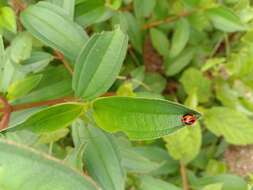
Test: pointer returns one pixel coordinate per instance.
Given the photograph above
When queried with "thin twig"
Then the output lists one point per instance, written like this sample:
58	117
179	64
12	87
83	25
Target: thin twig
184	176
60	56
166	20
7	109
42	103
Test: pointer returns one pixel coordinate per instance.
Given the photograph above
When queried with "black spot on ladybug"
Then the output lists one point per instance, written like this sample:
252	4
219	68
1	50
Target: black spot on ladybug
188	119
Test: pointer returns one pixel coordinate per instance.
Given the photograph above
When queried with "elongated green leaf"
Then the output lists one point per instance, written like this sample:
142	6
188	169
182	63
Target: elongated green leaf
177	64
137	163
150	183
160	41
185	145
37	62
22	87
99	63
144	8
57	90
8	19
53	118
139	118
18	159
2	52
230	182
91	12
51	25
233	125
67	5
102	158
134	31
198	84
225	20
180	37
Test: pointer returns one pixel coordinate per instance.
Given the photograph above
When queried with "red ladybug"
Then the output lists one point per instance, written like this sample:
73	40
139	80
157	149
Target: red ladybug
189	119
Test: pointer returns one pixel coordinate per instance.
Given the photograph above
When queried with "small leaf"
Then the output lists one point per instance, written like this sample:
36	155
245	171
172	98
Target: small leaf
22	87
150	183
224	19
139	118
21	47
216	186
159	41
234	126
230	182
53	118
18	159
102	152
91	12
51	25
180	37
8	19
144	8
185	145
194	81
99	63
134	31
177	64
37	62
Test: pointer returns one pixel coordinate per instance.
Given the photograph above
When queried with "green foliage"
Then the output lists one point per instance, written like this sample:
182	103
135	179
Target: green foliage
115	90
17	158
95	70
139	118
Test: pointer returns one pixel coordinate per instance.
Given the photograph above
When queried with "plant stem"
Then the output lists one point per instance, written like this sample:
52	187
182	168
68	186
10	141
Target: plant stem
60	56
7	109
42	103
166	20
184	176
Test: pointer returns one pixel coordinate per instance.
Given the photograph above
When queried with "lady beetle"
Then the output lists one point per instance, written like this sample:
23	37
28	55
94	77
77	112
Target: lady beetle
189	119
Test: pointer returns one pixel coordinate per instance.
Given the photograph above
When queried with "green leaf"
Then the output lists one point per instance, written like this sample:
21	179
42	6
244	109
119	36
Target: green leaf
134	162
21	47
217	186
159	41
53	136
230	182
37	62
177	64
55	90
180	37
150	183
51	25
139	118
91	12
185	145
8	19
53	118
134	31
99	63
18	159
194	81
22	87
102	159
224	19
67	5
144	8
234	126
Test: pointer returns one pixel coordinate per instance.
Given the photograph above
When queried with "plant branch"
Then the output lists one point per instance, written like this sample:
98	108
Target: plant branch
167	20
60	56
7	109
184	176
42	103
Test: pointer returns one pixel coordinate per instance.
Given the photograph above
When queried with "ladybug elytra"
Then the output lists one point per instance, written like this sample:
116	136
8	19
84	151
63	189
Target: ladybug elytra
189	119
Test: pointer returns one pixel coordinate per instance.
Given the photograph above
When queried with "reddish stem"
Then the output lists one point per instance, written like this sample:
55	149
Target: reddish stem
7	109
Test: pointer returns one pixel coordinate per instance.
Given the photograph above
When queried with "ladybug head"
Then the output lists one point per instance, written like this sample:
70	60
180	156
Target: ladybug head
188	119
